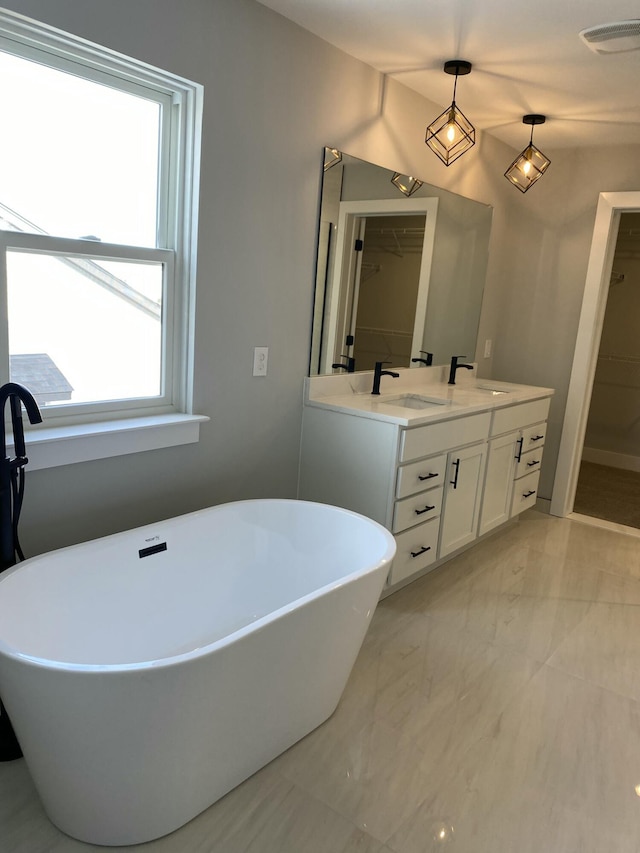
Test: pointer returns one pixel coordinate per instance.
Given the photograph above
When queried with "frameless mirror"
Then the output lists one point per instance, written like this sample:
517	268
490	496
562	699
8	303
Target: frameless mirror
398	278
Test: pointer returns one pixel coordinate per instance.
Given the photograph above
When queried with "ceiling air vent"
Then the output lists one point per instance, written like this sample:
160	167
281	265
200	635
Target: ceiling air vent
616	37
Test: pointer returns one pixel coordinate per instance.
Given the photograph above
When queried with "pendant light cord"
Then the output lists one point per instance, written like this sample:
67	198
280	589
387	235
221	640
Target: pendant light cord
455	85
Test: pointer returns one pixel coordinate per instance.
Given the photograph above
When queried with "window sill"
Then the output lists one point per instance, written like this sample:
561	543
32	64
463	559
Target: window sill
50	447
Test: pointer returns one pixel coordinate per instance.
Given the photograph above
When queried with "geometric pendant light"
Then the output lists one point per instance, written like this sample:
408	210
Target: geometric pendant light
332	156
530	164
407	184
451	133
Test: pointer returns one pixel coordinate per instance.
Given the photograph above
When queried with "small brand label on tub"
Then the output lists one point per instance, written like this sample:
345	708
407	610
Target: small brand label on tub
152	549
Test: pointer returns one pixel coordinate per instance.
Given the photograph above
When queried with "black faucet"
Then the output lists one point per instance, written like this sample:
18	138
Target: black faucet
428	361
455	366
11	470
378	373
350	365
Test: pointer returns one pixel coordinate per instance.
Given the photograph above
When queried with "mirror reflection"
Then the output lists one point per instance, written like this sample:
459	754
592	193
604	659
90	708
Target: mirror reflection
398	279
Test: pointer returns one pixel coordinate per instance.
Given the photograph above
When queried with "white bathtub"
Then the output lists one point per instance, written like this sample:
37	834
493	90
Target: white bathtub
148	673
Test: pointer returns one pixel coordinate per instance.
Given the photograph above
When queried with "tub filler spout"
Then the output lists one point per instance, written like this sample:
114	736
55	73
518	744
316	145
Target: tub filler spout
11	495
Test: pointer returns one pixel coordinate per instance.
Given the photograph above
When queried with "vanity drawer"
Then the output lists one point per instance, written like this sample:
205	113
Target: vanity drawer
515	417
416	509
416	549
529	462
533	437
418	476
525	492
445	435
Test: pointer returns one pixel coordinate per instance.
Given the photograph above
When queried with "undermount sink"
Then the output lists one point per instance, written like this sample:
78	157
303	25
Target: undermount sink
413	401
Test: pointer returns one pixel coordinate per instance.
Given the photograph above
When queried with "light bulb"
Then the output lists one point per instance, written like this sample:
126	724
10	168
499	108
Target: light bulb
527	167
451	132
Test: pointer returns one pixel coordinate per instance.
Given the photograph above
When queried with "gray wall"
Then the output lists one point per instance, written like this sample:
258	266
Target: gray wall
274	96
544	274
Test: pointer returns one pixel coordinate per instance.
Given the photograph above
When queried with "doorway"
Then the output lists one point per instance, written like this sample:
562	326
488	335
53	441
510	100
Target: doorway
611	207
608	485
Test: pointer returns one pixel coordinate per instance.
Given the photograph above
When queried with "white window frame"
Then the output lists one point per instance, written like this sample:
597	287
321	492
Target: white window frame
178	180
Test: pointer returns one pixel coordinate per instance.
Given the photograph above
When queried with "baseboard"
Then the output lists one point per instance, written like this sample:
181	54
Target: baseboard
591	521
610	458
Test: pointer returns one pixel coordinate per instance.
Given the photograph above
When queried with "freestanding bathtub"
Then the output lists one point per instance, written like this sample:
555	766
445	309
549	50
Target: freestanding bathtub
148	673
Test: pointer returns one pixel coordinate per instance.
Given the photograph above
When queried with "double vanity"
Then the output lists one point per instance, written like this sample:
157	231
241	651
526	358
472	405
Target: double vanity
439	465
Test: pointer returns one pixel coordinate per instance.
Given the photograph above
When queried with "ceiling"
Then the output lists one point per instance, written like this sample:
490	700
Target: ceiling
527	58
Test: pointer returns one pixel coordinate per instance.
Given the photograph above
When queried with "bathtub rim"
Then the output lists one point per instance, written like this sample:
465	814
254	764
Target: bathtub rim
11	653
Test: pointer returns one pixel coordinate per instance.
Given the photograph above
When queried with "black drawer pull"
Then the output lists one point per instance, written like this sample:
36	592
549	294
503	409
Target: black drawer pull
519	442
426	509
421	551
531	464
427	476
454	482
536	437
528	494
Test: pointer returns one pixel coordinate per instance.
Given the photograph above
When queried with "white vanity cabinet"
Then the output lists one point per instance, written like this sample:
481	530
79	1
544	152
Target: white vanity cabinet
513	465
437	481
445	486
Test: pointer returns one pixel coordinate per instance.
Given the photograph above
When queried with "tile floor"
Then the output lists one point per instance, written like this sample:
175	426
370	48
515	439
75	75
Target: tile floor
495	706
612	494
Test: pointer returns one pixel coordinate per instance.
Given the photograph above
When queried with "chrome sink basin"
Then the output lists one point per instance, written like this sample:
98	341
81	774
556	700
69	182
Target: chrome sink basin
413	401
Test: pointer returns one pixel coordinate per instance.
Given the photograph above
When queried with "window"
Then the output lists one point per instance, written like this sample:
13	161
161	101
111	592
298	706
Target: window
98	196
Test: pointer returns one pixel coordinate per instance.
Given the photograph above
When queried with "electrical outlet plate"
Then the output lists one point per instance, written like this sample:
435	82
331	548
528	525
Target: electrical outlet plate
260	360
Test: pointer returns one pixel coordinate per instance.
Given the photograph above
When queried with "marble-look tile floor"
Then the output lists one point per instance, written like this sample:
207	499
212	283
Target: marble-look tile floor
494	708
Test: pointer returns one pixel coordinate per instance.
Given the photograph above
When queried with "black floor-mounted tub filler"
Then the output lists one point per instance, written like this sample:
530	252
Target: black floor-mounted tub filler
11	494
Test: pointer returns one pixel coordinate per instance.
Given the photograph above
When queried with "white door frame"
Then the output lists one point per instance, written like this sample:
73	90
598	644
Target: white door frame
594	302
350	211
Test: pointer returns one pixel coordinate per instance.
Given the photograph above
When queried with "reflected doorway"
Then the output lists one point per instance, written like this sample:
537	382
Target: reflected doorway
345	284
386	293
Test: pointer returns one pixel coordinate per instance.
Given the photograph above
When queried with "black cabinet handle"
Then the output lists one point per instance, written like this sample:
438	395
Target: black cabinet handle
421	551
426	509
454	482
528	494
536	437
519	442
531	464
427	476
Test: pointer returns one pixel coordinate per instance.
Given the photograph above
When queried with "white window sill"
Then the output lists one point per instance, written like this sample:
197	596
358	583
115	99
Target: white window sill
49	447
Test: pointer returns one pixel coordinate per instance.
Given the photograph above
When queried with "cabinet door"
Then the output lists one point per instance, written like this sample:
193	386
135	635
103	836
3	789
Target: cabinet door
463	487
498	484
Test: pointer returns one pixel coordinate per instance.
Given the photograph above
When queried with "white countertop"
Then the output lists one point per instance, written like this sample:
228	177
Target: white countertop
351	394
